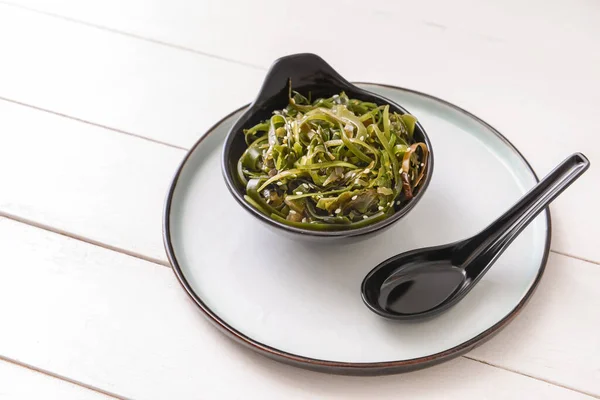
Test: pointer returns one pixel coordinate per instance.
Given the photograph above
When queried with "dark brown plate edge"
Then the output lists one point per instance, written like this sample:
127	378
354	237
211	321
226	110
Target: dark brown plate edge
347	368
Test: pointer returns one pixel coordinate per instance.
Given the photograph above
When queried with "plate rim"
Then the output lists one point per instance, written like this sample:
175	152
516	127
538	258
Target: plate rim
343	367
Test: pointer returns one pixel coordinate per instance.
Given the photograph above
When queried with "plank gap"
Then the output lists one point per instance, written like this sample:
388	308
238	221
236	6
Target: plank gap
533	377
139	37
59	114
83	239
60	377
575	257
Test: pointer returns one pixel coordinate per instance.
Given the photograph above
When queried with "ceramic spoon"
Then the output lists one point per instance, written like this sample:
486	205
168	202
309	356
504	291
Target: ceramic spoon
425	282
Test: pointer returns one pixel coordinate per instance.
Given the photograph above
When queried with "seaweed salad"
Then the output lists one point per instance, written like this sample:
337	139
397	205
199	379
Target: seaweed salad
332	163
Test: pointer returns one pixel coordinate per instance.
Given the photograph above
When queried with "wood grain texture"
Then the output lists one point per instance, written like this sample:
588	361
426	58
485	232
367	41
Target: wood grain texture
222	27
143	88
90	182
124	325
535	95
112	188
555	337
20	383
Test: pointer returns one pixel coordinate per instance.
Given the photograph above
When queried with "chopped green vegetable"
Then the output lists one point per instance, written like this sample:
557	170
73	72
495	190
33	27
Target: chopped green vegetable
335	163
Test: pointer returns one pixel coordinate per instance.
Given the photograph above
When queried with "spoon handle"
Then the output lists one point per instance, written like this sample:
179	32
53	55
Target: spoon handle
479	253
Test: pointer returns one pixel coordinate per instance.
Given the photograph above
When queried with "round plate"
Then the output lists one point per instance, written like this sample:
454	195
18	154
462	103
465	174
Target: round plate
300	302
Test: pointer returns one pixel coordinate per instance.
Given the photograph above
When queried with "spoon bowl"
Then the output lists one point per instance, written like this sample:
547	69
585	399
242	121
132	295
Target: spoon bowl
307	73
423	283
413	281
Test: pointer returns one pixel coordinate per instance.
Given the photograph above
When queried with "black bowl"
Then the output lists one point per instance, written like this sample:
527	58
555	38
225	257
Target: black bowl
308	72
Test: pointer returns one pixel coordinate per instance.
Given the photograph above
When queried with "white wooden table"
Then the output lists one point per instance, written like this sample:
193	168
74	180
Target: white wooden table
99	101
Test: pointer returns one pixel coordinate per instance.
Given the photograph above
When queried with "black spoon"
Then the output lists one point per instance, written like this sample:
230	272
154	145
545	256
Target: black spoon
423	283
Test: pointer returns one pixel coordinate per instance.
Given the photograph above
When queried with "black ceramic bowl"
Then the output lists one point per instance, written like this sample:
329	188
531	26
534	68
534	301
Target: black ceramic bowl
308	72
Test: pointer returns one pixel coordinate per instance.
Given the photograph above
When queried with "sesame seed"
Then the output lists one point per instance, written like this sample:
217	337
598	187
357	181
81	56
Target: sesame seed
380	208
268	201
389	203
400	171
398	203
292	212
367	171
354	197
362	138
422	165
365	217
279	183
339	210
356	181
305	186
304	220
298	193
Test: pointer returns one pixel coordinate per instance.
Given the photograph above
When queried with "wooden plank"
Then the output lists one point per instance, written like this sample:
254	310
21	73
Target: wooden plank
154	91
556	335
20	383
125	325
90	182
225	28
509	46
172	95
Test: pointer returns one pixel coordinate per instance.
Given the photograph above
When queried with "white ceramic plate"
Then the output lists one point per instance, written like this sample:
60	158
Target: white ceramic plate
300	302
